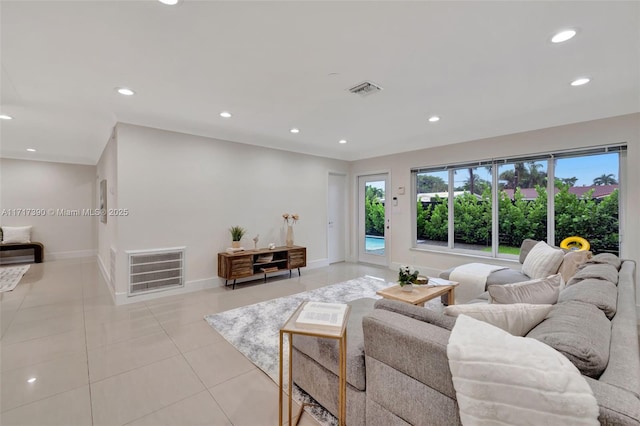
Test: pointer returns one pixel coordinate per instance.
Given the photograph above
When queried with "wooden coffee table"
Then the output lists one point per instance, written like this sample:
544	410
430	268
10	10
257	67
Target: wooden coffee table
420	293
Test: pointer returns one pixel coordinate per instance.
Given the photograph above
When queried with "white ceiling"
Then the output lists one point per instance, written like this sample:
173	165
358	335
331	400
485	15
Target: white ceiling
487	68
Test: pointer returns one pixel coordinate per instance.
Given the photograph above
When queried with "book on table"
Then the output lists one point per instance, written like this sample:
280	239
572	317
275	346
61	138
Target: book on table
328	316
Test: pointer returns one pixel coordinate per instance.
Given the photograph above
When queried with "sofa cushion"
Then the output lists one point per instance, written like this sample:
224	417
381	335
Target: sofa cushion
600	271
525	248
539	291
325	351
505	380
416	312
566	330
571	262
16	234
506	276
600	293
606	258
517	318
542	261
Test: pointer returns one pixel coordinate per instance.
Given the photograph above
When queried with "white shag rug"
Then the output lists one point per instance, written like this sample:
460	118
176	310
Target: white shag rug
10	277
254	329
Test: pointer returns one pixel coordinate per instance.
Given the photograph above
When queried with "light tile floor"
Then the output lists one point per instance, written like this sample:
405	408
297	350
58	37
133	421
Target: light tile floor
148	363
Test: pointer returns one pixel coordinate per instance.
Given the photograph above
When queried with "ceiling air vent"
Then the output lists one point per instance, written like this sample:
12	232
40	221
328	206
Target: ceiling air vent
365	88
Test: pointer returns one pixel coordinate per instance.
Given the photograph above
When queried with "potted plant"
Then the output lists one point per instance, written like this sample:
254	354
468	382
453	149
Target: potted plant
237	232
406	277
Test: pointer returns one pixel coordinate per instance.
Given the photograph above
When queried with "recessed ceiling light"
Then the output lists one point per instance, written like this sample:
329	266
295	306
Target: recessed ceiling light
31	150
294	130
434	118
225	114
5	117
169	2
32	380
563	36
125	91
580	81
342	141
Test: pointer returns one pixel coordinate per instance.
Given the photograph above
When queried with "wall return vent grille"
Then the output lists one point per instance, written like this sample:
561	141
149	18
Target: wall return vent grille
365	88
155	270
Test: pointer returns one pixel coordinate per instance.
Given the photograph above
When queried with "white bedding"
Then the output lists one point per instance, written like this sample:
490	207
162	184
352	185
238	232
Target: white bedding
472	278
502	379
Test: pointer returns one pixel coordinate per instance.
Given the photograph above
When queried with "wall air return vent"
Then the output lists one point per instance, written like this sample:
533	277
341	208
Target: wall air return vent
365	88
155	270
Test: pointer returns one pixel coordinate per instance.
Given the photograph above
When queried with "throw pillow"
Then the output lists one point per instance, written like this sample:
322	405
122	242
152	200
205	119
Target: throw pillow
579	331
516	319
16	234
540	291
571	262
542	261
606	258
598	271
508	380
600	293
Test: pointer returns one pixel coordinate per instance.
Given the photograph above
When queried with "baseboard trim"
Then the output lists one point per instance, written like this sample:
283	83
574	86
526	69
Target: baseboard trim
424	270
60	255
190	286
123	298
107	277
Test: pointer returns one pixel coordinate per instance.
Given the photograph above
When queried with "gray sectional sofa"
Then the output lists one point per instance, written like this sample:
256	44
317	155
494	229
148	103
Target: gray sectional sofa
398	371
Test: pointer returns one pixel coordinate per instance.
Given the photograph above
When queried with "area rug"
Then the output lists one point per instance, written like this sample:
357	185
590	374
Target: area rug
254	329
10	277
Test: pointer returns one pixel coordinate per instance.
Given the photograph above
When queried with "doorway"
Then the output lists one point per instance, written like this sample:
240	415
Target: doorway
336	217
373	222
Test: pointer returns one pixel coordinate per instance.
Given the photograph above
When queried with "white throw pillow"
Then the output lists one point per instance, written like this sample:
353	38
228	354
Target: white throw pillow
508	380
16	234
517	319
539	291
542	261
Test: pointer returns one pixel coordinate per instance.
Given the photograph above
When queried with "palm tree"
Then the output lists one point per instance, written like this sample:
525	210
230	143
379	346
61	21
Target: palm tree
605	179
569	181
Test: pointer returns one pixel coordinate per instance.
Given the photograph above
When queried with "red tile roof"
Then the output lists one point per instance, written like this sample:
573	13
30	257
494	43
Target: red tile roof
599	191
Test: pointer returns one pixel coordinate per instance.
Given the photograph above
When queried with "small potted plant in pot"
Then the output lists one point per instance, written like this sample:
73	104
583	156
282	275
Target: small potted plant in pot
406	277
237	232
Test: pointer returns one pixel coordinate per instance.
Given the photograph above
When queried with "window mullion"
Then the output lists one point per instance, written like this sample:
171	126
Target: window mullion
495	229
451	228
551	186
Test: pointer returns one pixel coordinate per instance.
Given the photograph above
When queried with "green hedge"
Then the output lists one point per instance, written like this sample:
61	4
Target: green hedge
595	220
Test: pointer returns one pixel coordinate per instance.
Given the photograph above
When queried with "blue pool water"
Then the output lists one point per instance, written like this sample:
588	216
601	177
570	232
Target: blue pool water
373	243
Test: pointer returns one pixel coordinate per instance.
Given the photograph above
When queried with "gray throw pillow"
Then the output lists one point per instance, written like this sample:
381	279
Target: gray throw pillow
599	293
606	258
543	291
600	271
581	332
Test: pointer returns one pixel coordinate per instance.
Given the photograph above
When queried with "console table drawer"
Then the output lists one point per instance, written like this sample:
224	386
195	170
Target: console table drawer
297	258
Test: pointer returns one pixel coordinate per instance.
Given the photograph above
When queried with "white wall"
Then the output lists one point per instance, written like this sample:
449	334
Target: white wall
45	185
108	232
598	132
184	190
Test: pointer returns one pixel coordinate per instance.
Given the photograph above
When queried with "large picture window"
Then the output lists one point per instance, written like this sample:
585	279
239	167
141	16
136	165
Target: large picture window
490	207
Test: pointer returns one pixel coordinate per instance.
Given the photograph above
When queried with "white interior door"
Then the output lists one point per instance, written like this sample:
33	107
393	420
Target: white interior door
337	217
373	222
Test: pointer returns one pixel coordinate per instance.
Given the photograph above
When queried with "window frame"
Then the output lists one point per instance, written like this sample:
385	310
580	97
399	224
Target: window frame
549	157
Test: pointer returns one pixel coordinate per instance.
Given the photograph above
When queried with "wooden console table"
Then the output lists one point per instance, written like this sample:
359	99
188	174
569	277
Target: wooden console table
243	264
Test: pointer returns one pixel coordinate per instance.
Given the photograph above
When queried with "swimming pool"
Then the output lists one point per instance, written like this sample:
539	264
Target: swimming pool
373	243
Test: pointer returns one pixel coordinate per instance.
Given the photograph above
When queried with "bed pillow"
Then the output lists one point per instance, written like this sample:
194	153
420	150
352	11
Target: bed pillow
16	234
517	319
508	380
540	291
542	261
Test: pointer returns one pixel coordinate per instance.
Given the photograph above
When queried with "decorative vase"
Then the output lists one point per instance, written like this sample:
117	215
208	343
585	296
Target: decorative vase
407	287
235	244
289	239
